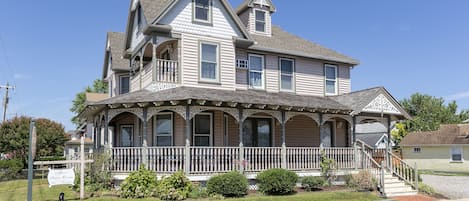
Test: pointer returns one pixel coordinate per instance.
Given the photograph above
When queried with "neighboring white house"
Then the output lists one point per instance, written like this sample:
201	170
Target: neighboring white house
442	150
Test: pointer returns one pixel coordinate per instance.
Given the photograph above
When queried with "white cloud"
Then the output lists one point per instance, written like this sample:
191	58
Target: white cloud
458	96
19	76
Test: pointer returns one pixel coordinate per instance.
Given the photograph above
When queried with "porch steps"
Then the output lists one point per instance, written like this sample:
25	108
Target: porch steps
393	187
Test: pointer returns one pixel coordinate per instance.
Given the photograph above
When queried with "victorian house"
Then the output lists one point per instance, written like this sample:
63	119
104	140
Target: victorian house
196	85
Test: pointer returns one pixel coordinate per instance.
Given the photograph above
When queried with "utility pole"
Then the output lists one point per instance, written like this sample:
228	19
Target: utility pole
5	101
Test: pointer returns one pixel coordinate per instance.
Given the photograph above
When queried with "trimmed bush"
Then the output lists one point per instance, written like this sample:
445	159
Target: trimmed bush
426	189
312	183
175	187
10	169
139	184
276	181
232	184
363	181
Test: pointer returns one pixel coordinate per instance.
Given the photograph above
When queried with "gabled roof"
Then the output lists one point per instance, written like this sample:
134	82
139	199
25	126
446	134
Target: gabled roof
283	42
250	3
447	135
115	48
358	100
371	139
155	10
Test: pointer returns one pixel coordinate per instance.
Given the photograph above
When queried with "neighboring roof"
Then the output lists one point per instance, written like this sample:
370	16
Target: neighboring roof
115	40
371	139
240	96
358	100
375	127
94	97
250	3
283	42
455	134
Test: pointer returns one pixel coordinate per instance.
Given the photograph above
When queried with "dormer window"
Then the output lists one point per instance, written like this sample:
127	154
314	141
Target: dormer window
202	11
260	21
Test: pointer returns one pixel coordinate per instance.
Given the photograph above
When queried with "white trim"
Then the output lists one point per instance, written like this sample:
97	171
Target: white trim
256	71
155	133
217	66
209	13
194	134
336	90
255	10
460	148
293	80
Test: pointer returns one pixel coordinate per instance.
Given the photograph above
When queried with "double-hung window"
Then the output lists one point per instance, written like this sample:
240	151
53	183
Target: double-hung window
163	130
203	130
209	62
260	21
456	154
202	11
256	71
287	69
124	84
330	75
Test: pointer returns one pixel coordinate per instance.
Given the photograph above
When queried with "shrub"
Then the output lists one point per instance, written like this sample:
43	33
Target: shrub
10	169
312	183
96	178
175	187
426	189
276	181
139	184
327	165
232	184
199	192
362	181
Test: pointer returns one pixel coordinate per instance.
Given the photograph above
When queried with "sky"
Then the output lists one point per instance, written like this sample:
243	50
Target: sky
52	49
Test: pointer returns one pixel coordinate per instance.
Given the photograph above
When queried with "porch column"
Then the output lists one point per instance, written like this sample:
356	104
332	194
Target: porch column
354	129
389	145
106	129
241	140
187	152
284	145
153	59
144	140
141	68
321	132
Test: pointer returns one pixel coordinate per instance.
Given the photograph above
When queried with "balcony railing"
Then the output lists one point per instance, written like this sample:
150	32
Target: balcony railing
167	71
212	160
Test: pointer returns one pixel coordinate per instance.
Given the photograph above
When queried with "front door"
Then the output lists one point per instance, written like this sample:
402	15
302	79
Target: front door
257	132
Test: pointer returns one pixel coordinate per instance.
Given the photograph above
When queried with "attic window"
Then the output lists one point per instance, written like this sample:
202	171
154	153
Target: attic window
202	10
260	21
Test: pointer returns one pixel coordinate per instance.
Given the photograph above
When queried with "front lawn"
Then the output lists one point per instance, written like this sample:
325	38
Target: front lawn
17	190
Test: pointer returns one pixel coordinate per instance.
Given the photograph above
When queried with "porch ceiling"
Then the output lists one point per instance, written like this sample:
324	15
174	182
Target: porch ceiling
247	99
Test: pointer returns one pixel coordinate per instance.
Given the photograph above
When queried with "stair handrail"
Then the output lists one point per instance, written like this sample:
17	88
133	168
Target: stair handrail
378	173
404	171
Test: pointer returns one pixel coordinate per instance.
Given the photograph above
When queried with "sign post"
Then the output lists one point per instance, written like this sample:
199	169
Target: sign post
82	168
32	134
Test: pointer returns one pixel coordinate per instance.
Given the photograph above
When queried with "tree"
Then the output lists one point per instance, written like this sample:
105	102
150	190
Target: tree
398	133
99	86
14	138
429	112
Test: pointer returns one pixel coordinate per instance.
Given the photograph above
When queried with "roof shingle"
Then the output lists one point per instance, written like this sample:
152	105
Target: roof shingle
446	135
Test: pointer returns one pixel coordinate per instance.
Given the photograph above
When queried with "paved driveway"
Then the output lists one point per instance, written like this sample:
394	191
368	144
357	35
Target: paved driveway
454	187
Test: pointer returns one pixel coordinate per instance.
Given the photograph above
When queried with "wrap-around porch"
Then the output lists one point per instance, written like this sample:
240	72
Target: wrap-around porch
201	136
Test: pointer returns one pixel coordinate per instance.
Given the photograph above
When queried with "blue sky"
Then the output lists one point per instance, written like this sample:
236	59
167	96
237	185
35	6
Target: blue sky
52	49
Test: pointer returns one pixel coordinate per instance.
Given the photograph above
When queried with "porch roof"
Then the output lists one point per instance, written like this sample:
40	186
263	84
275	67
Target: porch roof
238	96
372	100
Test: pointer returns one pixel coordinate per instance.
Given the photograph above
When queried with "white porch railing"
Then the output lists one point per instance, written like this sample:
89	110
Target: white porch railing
167	71
211	160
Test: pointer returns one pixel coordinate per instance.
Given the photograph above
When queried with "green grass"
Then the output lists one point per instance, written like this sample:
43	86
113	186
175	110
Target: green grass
443	173
17	190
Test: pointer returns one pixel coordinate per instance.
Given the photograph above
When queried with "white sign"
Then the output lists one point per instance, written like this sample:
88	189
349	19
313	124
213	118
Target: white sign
61	177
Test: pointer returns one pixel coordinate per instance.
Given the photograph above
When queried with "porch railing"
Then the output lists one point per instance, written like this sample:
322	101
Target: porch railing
209	160
167	71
